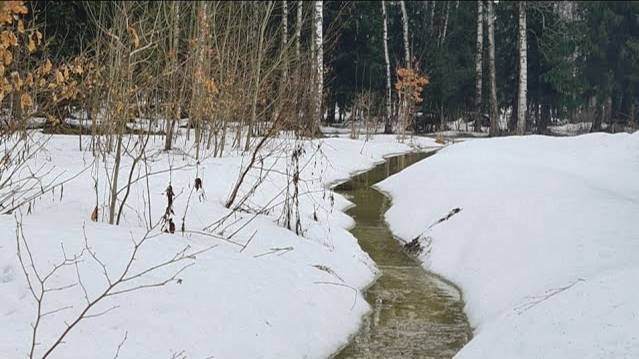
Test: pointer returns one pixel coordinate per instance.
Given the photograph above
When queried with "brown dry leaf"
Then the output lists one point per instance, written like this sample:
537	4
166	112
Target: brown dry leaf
25	101
7	58
94	214
59	78
134	37
6	85
20	26
16	80
9	10
46	67
31	46
77	69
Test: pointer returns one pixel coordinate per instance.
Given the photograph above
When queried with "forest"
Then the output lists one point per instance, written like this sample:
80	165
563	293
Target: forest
523	65
319	179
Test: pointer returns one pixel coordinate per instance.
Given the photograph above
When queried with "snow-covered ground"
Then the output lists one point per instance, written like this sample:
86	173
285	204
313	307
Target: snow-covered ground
545	246
269	294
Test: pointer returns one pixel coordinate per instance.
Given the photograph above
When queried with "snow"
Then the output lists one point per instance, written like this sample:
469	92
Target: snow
545	246
267	296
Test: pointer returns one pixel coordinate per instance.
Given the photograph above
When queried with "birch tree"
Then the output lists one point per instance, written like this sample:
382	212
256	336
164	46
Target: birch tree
490	22
523	75
405	32
442	37
298	30
285	35
431	18
174	67
478	65
318	39
388	128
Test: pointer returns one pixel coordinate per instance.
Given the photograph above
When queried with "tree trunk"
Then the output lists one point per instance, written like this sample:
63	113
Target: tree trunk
598	119
494	113
633	123
442	37
113	196
298	30
175	42
478	64
283	49
258	74
284	36
330	110
318	39
431	19
523	66
405	32
388	127
298	68
196	113
544	119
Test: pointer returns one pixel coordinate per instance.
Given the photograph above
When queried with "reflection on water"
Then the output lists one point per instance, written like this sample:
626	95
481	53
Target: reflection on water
414	314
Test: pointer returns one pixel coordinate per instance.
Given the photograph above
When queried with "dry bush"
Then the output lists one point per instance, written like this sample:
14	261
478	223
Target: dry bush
409	86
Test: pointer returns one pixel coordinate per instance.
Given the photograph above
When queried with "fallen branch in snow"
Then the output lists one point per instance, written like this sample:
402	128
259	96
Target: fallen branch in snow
452	212
248	242
544	297
279	251
126	282
117	352
345	286
328	270
414	246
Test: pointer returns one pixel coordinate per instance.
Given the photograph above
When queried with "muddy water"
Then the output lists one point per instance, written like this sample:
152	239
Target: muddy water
414	314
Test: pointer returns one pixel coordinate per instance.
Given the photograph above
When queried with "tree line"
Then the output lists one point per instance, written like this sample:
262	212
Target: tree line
515	66
502	67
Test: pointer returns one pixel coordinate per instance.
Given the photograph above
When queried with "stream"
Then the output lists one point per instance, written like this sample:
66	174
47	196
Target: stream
415	314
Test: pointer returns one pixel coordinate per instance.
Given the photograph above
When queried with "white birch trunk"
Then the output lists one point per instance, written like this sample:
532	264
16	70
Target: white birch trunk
490	22
478	64
388	128
319	61
298	30
432	18
285	34
442	38
523	76
405	31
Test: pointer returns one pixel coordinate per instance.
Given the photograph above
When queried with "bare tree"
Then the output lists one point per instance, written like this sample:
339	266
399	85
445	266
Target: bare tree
128	280
523	67
388	126
478	64
318	40
298	30
285	34
442	35
405	33
490	22
174	67
257	70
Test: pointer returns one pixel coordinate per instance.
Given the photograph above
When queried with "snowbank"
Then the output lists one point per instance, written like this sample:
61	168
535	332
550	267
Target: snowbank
282	296
545	247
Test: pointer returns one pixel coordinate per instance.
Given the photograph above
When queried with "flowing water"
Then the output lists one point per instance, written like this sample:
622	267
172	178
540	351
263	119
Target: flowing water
415	314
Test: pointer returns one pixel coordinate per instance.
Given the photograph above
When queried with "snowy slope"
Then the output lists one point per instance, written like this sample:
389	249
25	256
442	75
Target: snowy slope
273	299
545	247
